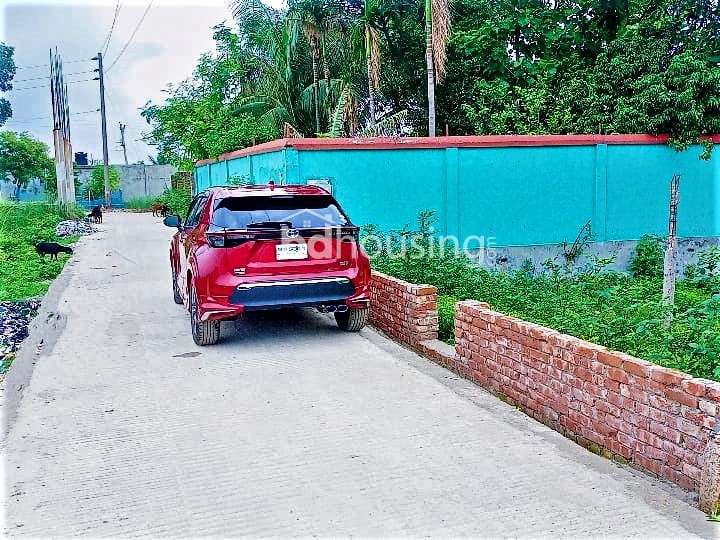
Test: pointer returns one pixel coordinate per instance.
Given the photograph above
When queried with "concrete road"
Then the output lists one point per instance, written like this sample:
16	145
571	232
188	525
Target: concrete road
289	427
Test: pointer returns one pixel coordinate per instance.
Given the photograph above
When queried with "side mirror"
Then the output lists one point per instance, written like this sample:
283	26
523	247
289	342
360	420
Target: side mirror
173	220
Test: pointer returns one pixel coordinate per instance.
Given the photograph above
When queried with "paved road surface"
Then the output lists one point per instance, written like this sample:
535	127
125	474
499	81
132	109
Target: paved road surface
288	427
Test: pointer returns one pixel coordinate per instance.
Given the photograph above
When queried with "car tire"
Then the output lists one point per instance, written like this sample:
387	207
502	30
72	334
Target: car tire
177	297
352	320
203	332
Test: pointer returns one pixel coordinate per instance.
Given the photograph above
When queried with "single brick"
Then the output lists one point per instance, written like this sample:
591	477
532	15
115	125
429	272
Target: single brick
696	387
668	376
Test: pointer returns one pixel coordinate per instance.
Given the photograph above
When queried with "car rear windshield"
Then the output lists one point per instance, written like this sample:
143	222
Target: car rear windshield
307	211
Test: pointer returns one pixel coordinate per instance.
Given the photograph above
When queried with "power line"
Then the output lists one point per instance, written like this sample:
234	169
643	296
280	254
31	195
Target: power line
47	65
47	76
50	116
106	43
46	85
132	36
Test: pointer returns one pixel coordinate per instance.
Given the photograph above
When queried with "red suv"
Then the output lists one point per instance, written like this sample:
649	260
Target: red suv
264	247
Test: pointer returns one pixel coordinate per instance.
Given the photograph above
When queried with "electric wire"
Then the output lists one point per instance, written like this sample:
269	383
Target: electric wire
132	36
106	43
46	85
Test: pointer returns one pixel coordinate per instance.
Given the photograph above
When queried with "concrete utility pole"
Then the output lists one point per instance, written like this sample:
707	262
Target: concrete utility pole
101	78
670	263
61	130
122	141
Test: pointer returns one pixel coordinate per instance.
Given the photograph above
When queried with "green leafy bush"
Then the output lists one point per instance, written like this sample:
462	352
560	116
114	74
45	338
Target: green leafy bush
95	186
706	273
446	316
178	200
23	273
614	309
647	261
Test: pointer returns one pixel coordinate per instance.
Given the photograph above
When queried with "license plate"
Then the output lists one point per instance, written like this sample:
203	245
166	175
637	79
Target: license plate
291	252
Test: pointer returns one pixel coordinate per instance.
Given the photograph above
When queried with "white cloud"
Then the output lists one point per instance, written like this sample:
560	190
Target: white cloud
165	50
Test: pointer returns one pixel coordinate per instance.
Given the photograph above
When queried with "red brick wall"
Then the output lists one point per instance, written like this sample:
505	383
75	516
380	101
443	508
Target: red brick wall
402	310
658	418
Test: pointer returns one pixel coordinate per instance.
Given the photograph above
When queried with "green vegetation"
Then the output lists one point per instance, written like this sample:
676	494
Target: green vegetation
23	273
178	200
647	261
7	72
620	311
364	67
95	186
140	203
23	158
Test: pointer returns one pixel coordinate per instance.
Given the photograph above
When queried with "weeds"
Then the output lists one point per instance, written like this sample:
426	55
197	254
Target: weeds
23	273
621	311
140	203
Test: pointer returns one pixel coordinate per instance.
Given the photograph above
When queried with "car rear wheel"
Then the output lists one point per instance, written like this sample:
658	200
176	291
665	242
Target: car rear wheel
176	290
203	332
353	319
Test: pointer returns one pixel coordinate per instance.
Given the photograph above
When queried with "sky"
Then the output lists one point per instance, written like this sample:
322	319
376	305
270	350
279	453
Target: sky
165	49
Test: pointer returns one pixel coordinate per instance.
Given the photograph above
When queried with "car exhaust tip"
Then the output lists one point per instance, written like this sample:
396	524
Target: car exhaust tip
341	309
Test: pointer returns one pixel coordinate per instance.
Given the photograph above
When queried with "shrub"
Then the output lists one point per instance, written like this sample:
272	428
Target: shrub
446	315
648	258
178	200
614	309
706	273
139	203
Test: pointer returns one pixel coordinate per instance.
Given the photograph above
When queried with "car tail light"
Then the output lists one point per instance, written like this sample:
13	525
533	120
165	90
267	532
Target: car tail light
228	239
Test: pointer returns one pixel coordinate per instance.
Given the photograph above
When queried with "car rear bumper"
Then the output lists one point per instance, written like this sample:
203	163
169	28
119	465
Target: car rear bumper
301	292
278	294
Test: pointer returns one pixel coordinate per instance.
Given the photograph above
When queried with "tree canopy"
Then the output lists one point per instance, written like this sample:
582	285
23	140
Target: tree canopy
354	67
95	186
23	158
7	72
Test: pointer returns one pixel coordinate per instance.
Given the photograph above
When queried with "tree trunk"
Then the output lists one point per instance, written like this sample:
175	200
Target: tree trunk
371	89
326	72
430	68
316	86
371	97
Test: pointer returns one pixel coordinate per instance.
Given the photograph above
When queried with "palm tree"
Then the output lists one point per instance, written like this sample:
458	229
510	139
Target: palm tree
315	18
437	33
367	31
275	95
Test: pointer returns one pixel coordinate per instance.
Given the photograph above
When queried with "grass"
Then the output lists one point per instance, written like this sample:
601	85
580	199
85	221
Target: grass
620	311
139	203
23	273
177	199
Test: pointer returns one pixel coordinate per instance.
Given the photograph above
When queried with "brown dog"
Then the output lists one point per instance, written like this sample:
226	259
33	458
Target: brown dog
160	209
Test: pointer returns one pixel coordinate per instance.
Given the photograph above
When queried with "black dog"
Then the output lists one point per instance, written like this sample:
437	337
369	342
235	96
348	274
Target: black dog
52	249
96	214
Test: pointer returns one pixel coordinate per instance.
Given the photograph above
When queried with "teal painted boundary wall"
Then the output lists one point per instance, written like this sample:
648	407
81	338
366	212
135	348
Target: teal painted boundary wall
516	195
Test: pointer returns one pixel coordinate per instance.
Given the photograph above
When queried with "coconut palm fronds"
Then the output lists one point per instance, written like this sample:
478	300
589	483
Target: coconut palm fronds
390	126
